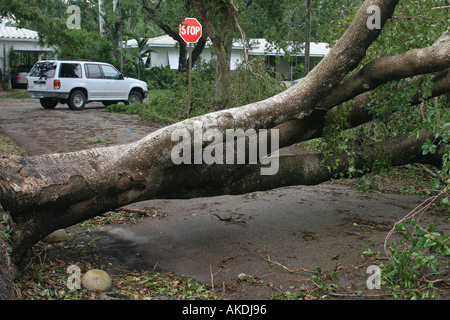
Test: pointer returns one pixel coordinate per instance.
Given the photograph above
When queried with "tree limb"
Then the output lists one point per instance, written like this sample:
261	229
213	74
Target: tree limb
295	131
305	168
410	63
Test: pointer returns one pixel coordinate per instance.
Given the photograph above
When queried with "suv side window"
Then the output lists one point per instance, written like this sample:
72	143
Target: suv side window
110	72
93	71
70	70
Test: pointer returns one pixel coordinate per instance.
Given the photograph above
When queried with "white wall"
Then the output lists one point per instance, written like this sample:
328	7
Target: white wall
169	57
19	45
160	58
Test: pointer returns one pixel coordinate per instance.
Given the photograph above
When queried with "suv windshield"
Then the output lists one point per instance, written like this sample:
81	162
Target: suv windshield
44	69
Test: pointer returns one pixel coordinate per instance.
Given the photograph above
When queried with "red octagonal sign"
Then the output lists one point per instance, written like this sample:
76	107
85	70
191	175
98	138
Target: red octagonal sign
190	30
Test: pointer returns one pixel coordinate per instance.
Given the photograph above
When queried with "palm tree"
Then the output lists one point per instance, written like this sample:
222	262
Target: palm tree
140	53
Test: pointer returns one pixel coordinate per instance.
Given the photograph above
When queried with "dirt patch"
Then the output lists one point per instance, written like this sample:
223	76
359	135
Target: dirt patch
251	246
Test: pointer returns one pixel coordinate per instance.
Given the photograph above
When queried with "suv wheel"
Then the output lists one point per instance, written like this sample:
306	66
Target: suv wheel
134	97
77	100
48	103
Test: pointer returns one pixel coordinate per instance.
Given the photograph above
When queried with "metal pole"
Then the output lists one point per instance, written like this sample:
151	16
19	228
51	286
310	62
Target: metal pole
189	84
101	21
308	37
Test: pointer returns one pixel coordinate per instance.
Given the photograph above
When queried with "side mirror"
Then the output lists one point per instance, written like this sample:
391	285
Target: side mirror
121	76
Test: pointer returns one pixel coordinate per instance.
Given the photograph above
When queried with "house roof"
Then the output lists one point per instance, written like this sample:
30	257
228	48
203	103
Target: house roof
257	46
263	47
13	33
161	41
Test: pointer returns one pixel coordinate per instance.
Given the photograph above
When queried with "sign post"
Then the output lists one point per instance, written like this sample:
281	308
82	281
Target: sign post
189	81
190	31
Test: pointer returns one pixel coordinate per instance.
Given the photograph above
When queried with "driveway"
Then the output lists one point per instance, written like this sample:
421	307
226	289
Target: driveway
248	246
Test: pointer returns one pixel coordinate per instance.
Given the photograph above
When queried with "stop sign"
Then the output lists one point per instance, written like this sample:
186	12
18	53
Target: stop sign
190	30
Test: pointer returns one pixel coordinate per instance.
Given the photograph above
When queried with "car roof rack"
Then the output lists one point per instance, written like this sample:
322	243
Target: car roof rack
60	59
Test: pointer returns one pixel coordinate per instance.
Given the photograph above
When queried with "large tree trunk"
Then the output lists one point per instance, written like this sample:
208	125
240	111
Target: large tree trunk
223	73
48	192
222	41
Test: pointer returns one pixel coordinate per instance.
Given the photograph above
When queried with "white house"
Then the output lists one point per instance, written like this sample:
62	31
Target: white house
24	43
166	53
277	56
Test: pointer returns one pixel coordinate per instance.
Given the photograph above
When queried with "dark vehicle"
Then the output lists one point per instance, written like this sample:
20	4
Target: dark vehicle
19	77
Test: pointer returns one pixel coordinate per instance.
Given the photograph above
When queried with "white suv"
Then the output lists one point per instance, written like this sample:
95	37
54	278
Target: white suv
79	82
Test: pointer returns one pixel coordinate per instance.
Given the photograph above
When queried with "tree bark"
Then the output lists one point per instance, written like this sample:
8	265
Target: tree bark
304	168
223	73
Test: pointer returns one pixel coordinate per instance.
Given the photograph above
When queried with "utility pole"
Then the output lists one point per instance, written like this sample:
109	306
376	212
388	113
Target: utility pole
101	21
308	36
118	16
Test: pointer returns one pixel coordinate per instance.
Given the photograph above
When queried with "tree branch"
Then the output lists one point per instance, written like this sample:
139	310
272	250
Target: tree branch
413	62
295	131
310	168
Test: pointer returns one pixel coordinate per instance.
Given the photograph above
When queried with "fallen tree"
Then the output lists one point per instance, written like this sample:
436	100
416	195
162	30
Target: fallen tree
48	192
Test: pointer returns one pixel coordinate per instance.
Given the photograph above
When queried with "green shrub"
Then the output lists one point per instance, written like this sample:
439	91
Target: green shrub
160	77
253	83
246	86
86	45
419	259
